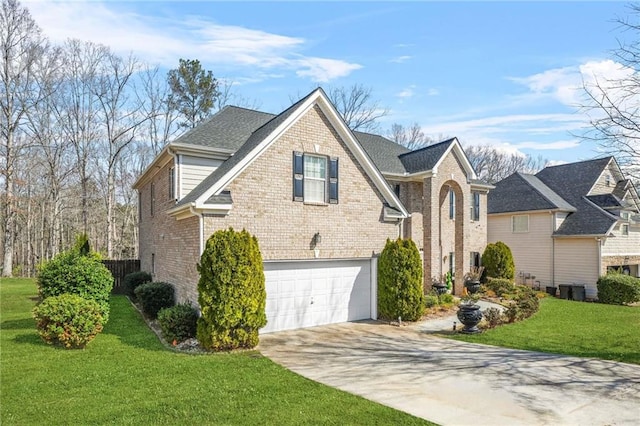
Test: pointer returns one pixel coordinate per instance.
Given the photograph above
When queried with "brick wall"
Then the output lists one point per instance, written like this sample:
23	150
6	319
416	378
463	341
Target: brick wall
262	201
174	244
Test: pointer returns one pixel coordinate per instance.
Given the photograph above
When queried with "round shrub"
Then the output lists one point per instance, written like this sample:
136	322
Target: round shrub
497	260
231	291
73	273
155	296
68	320
178	323
618	289
500	286
134	280
400	291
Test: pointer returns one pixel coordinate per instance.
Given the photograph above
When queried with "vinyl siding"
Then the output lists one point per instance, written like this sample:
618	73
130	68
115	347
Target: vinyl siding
531	250
194	170
559	218
577	262
623	244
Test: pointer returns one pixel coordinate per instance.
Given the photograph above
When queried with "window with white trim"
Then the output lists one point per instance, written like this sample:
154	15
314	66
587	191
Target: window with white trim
475	207
315	178
625	215
520	223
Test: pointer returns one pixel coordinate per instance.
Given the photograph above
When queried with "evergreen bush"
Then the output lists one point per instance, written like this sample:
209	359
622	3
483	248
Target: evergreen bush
68	320
618	289
178	323
155	296
74	273
497	260
500	286
134	280
231	291
400	288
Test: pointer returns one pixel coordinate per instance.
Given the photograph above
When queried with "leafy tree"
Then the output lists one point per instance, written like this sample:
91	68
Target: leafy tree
193	91
400	292
497	260
231	291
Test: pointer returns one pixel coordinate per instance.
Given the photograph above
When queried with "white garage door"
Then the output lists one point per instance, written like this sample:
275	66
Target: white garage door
309	293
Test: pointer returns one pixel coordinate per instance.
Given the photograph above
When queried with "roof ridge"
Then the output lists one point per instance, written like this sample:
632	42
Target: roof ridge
578	162
450	140
521	176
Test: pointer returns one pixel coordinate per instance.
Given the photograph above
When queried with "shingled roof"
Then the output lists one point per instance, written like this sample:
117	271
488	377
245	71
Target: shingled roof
426	158
563	188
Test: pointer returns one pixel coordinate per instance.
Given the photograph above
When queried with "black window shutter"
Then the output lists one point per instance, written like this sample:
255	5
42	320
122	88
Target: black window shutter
333	181
298	177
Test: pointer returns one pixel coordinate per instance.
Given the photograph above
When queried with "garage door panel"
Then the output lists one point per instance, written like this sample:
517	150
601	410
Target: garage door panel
305	294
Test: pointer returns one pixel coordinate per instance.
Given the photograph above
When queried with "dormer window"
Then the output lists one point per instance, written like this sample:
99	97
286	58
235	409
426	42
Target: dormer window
607	180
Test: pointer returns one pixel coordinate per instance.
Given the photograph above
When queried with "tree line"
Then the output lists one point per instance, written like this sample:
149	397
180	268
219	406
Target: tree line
78	124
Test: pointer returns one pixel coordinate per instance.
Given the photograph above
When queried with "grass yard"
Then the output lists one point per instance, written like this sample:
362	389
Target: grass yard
126	376
572	328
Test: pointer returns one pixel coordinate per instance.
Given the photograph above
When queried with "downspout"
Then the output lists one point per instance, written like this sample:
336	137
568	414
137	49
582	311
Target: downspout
553	251
599	242
200	228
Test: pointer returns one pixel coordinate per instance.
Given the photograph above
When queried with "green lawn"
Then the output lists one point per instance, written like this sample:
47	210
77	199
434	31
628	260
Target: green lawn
572	328
126	376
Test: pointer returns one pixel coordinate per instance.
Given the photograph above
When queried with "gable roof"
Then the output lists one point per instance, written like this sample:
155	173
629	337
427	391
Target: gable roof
384	152
265	135
566	188
523	192
426	158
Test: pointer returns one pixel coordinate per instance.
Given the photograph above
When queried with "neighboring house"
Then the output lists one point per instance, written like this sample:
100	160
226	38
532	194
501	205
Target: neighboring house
568	224
322	201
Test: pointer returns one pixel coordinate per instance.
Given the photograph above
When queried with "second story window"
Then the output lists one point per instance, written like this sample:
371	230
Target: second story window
315	178
624	229
475	208
452	204
520	223
153	199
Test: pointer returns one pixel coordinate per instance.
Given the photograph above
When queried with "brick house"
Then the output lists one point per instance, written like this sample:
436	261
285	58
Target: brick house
322	201
568	224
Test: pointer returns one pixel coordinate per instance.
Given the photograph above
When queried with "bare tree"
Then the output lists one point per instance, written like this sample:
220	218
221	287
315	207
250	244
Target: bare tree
120	117
78	111
613	103
357	107
493	165
227	96
153	95
412	137
21	43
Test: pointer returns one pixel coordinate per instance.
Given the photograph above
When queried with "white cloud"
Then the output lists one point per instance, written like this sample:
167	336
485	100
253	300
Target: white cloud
565	85
563	144
400	59
556	163
407	92
323	70
433	92
163	41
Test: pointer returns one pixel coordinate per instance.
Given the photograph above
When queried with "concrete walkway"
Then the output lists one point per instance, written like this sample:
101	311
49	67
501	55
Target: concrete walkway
457	383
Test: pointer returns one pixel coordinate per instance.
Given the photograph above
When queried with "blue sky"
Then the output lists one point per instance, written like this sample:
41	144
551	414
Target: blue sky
506	74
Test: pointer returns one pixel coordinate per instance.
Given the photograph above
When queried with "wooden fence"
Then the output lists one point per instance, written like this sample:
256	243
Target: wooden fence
120	268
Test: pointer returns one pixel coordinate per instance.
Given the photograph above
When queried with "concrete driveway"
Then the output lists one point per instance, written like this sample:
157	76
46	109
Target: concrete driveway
456	383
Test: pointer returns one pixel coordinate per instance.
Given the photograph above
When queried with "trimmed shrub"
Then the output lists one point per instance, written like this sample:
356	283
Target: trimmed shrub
498	262
231	291
155	296
431	300
618	289
524	303
73	273
134	280
400	292
178	323
500	286
492	317
68	320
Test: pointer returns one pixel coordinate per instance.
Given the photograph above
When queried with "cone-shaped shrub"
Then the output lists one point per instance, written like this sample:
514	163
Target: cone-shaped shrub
498	262
231	291
400	292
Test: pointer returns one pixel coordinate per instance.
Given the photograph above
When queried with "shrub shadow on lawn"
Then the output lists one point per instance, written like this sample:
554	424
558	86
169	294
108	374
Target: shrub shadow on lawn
29	339
21	324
